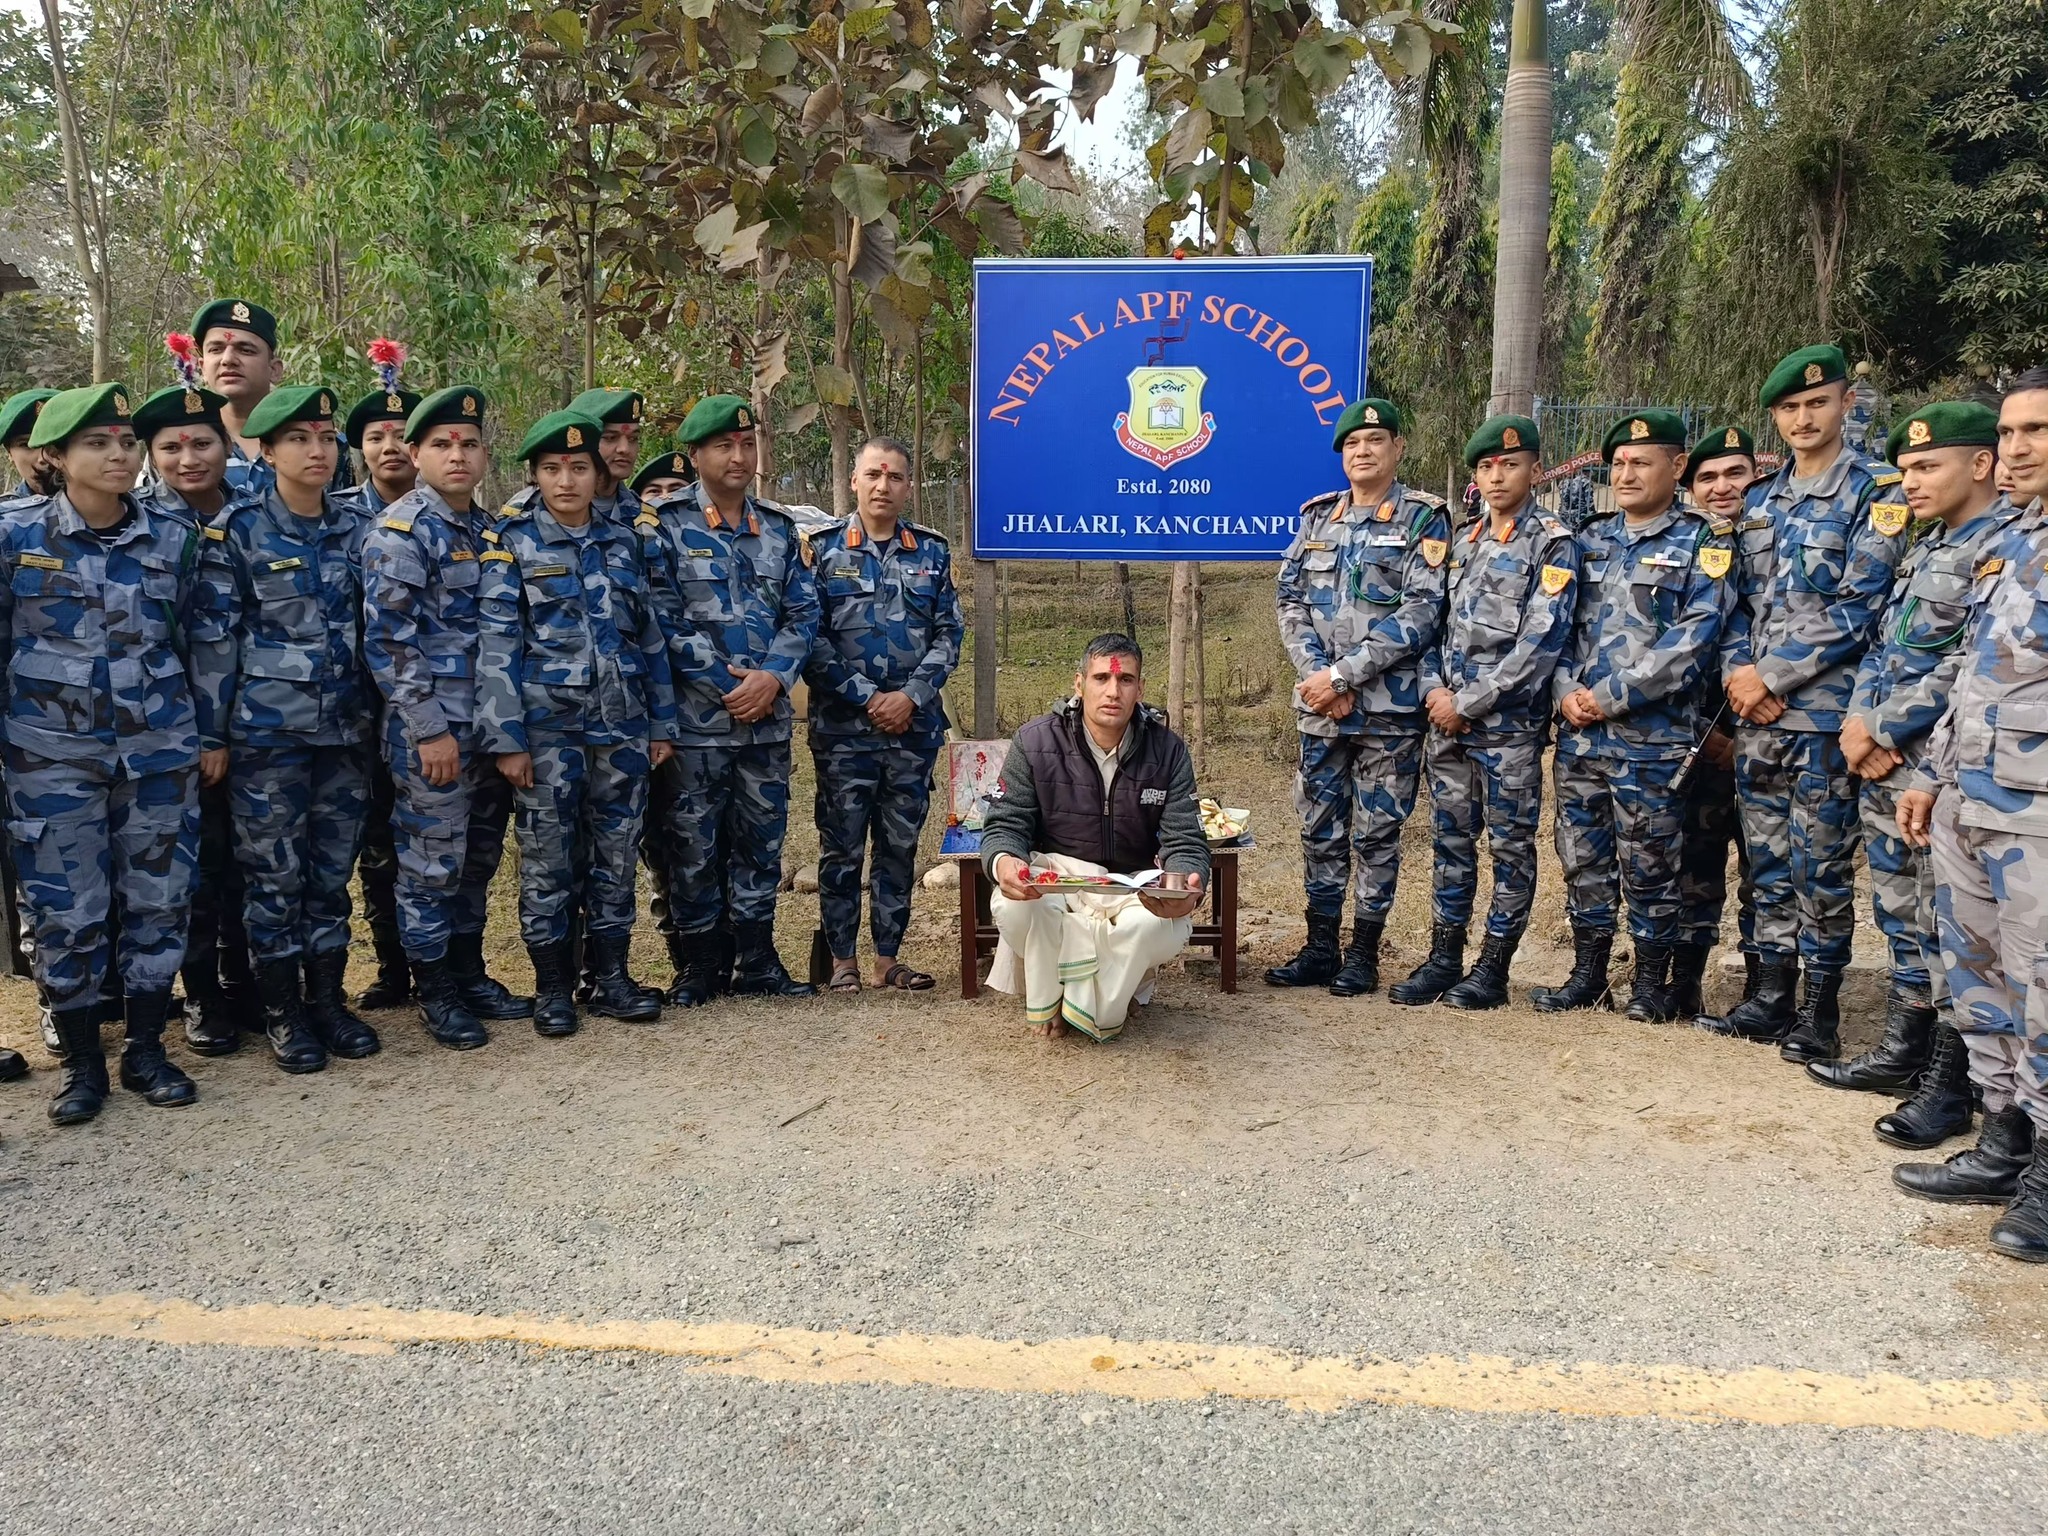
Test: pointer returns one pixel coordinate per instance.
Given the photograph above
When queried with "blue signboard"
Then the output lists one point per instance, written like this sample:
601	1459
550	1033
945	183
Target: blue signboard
1159	410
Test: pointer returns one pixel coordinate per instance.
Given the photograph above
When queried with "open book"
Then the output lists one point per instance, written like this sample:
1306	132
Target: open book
1053	880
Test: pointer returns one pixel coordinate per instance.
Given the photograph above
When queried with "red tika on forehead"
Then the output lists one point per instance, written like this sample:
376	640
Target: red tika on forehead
1116	666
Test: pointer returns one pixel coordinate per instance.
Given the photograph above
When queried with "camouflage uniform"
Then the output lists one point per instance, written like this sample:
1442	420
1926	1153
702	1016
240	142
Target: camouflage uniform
1361	591
277	662
573	669
377	859
1508	623
1902	691
102	749
731	594
1816	566
420	580
250	479
1656	596
889	623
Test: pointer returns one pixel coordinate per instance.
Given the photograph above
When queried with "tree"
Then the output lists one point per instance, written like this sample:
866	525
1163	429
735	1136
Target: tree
1524	212
1385	229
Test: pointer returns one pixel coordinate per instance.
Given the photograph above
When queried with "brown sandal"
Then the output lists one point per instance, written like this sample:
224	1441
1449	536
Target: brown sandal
846	980
904	979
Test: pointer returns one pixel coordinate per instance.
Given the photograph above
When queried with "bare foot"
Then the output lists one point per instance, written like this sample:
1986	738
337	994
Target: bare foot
1051	1029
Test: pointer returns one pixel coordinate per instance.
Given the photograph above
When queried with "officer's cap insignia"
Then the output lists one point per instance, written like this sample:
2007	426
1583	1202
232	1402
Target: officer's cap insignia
1385	513
1434	550
1890	517
743	417
1990	567
1732	438
393	403
1917	433
574	437
1814	373
1510	437
192	403
1715	561
679	465
633	409
240	310
1372	416
1638	430
1556	578
120	402
469	405
326	405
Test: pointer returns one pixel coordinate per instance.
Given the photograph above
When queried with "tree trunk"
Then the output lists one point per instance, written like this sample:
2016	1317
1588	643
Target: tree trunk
1524	213
840	417
1178	612
1198	710
764	429
88	229
917	427
1130	599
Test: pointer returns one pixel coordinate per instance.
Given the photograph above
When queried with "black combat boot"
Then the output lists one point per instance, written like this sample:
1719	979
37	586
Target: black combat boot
393	986
613	992
1317	961
293	1041
1443	970
346	1035
1586	987
1894	1065
1649	999
1818	1034
1769	1012
240	989
1986	1174
442	1010
212	1028
1941	1105
554	991
2022	1232
145	1069
696	959
84	1088
482	997
1688	980
757	968
1487	984
13	1066
1360	972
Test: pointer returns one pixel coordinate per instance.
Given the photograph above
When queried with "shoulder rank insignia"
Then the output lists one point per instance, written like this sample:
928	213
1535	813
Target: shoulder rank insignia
488	535
1556	530
1556	578
646	520
294	563
1887	477
804	550
1434	550
398	524
1890	517
510	509
1385	514
36	562
1317	501
212	532
1718	525
1990	567
1715	560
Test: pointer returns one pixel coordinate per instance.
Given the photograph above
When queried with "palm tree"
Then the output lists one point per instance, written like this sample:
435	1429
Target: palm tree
1524	211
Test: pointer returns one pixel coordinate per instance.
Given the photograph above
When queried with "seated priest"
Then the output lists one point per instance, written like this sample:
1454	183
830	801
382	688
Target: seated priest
1099	786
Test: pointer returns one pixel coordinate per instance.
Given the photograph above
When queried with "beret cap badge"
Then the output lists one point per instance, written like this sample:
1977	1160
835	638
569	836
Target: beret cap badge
1813	373
1372	414
1510	438
1732	438
1638	430
1918	432
240	310
575	437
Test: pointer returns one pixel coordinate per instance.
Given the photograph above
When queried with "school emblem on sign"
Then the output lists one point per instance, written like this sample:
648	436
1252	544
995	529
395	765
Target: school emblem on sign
1166	423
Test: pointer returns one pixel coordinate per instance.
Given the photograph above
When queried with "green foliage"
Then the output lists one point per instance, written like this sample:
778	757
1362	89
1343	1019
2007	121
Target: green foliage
1313	229
1386	228
1638	224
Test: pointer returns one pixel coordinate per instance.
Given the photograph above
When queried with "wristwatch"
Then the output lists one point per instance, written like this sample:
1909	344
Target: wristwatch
1337	683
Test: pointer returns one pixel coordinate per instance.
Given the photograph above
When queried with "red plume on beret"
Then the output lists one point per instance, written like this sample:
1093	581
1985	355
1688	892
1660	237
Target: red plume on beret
184	357
387	357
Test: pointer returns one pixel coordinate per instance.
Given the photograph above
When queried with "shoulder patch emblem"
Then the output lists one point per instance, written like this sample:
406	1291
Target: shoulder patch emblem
1715	560
1556	578
1434	550
1990	567
1890	517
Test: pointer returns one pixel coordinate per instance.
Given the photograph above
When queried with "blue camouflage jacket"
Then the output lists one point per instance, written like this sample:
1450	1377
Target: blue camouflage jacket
1816	571
420	580
890	623
1648	628
730	595
1362	593
96	636
1512	596
277	641
1902	687
571	643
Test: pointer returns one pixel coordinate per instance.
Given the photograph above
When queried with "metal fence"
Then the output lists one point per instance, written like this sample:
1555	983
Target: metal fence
1574	481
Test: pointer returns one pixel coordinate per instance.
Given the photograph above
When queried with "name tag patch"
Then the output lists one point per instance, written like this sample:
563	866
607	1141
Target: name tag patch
292	564
37	562
1151	797
540	571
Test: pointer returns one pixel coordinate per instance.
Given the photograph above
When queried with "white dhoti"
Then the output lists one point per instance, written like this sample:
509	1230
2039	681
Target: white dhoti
1077	956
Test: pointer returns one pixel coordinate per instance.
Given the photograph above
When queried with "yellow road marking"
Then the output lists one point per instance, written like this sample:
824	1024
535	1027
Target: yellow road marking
1142	1371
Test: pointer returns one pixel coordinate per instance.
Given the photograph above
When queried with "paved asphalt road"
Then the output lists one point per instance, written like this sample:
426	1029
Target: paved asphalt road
1346	1182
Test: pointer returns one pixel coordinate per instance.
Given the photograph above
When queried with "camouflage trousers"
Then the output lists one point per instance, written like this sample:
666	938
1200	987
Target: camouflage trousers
216	940
1798	803
579	831
1901	894
298	813
1498	784
1710	826
378	862
107	864
450	839
869	795
1620	833
1991	902
725	830
1353	795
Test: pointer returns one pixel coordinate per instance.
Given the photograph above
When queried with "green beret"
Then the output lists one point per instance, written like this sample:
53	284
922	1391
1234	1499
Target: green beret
378	405
18	415
281	407
1717	443
235	315
1373	412
75	410
674	465
715	414
1665	428
1945	424
570	431
610	407
462	403
1808	368
178	406
1503	434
